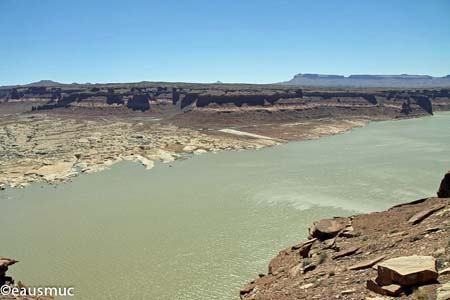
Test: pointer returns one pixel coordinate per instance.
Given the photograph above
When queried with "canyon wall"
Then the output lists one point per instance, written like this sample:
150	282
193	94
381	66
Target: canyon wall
186	97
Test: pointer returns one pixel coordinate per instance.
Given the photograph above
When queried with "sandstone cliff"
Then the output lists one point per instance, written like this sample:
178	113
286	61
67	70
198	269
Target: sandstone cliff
227	98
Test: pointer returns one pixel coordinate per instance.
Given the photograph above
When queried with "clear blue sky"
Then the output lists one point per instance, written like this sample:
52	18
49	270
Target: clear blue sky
206	40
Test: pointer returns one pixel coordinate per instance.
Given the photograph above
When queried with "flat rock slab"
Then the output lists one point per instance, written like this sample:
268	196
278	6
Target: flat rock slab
328	228
422	215
407	270
346	252
388	290
367	263
302	244
304	247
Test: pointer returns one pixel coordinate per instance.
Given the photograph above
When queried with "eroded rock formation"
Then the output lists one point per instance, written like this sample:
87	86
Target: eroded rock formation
113	98
222	98
139	102
5	263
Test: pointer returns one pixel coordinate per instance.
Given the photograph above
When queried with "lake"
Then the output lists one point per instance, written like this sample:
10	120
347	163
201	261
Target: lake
203	227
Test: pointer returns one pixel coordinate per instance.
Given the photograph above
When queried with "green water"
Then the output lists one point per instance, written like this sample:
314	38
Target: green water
201	228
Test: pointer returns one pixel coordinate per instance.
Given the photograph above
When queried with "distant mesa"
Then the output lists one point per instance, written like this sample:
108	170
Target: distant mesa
367	80
318	76
44	83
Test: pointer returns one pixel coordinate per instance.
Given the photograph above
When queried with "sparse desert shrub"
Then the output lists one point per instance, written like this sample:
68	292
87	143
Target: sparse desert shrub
440	263
322	257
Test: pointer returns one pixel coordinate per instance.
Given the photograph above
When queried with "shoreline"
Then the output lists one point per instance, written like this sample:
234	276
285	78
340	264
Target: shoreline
50	134
45	169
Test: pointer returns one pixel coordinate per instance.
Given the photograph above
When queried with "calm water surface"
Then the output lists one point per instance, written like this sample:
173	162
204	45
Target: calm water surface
201	228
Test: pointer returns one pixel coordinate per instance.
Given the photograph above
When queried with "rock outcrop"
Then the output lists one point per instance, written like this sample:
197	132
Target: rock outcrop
407	271
113	98
5	263
422	215
302	103
241	98
444	188
325	229
175	96
139	102
424	102
20	291
402	252
398	274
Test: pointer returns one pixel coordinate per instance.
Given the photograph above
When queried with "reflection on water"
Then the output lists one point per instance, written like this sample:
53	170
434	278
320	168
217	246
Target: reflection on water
205	226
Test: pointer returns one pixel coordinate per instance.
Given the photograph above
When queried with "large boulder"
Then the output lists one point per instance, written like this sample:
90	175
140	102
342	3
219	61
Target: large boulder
444	188
328	228
407	271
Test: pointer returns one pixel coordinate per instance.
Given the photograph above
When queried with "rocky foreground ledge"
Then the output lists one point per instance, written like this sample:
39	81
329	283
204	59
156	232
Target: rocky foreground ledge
401	253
